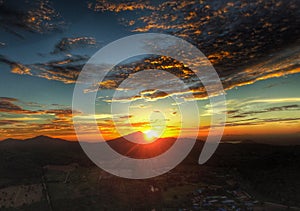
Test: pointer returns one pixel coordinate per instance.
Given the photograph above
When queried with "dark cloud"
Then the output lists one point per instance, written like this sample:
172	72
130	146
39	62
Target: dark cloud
230	33
125	69
232	111
8	122
59	112
119	6
283	63
125	117
15	66
239	116
155	95
242	114
9	107
246	41
5	60
260	121
296	119
35	16
68	43
65	70
242	124
285	108
10	99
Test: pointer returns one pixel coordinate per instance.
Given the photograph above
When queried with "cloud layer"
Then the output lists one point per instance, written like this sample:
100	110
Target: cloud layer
246	41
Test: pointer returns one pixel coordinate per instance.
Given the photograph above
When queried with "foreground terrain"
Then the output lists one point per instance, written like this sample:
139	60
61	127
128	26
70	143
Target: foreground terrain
51	174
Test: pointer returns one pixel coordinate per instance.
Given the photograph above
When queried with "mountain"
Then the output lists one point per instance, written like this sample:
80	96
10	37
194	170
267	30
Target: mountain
46	141
36	142
10	142
135	149
33	139
131	145
43	139
137	137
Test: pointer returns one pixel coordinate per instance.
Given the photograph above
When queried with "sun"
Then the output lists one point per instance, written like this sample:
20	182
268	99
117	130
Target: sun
150	135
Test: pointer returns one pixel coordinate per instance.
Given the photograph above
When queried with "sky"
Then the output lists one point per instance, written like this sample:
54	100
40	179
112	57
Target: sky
253	46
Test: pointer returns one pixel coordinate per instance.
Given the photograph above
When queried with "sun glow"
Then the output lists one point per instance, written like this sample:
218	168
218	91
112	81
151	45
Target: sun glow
150	135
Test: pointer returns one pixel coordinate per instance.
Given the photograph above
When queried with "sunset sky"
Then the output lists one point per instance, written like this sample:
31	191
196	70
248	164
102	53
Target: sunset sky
253	45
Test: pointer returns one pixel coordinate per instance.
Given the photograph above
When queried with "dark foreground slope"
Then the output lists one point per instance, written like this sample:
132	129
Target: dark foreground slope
270	173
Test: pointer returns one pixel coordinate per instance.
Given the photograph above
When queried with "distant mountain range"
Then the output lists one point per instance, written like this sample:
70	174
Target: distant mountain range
131	149
121	145
34	139
41	141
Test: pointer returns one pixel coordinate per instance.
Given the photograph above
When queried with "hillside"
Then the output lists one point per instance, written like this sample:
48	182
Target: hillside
260	167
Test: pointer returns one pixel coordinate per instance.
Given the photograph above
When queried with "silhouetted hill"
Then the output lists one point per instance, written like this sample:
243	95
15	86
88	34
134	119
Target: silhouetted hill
11	142
38	140
137	137
48	142
141	151
44	139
